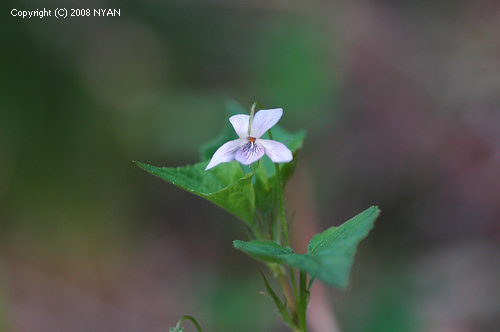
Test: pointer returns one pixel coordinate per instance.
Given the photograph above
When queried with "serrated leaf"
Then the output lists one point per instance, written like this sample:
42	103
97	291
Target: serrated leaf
226	186
345	236
330	255
335	248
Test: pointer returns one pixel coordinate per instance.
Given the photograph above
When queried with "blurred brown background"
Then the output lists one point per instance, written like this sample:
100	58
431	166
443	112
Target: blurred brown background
401	103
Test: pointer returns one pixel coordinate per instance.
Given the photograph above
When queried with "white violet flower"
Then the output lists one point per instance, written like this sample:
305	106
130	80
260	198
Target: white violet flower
249	147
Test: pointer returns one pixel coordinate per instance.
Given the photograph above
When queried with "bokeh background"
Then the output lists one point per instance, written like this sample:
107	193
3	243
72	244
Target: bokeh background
401	103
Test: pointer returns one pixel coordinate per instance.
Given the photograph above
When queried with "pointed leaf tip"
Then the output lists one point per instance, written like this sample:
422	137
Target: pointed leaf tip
330	255
225	185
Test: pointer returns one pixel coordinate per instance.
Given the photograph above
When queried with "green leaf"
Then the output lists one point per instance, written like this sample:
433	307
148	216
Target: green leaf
225	185
330	254
267	251
334	249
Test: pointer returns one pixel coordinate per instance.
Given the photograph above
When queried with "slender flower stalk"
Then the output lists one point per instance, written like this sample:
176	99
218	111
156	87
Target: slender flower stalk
179	323
252	115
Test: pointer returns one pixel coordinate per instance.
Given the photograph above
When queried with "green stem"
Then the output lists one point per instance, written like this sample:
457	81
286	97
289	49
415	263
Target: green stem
284	224
285	286
294	302
303	302
294	285
256	230
192	319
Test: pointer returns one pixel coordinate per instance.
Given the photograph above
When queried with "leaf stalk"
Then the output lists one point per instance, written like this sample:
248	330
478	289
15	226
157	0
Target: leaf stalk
192	319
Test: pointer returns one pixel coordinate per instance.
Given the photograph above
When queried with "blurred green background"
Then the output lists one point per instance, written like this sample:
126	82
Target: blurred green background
400	101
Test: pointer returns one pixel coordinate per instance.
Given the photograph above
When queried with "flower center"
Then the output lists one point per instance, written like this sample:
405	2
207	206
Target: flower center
252	139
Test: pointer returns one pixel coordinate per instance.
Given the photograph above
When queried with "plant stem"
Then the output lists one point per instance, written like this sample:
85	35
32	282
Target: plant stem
303	302
294	285
292	297
287	291
192	319
284	224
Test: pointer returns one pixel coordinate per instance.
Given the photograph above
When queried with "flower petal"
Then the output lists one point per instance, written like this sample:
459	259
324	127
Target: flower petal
240	124
249	153
278	152
264	120
225	153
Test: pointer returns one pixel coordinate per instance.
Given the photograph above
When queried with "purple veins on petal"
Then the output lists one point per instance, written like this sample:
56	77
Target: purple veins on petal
249	147
249	152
